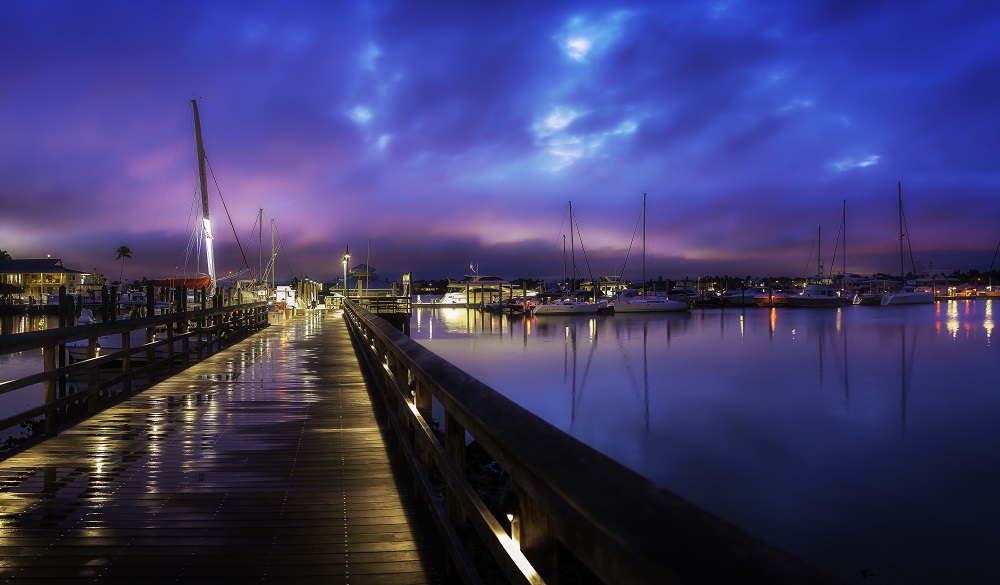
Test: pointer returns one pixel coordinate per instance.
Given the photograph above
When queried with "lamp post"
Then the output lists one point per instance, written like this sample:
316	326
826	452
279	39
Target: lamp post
347	258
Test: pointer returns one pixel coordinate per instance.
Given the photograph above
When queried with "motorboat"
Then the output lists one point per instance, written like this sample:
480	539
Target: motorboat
908	295
743	297
772	298
818	295
633	301
569	306
481	289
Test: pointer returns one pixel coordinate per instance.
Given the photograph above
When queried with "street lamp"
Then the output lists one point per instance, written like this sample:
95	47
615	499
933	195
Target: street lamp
347	258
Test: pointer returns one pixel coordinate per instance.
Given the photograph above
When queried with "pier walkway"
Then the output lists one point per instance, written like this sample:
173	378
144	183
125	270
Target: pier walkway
264	463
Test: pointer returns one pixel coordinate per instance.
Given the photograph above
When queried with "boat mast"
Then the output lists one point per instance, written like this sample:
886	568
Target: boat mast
272	256
260	248
572	248
899	205
819	251
564	266
643	243
203	182
843	260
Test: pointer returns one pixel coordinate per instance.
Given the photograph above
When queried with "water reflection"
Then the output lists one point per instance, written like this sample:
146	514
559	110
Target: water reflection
822	431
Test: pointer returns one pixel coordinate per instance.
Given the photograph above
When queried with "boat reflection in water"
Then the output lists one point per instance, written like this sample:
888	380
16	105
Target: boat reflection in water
857	438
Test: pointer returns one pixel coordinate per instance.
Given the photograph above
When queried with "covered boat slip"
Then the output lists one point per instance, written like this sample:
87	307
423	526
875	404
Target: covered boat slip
263	463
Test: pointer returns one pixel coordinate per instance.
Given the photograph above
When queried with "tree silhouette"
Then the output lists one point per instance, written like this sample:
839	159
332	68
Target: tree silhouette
123	253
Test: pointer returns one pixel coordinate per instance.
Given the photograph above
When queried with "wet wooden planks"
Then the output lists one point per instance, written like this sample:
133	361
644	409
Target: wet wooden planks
264	463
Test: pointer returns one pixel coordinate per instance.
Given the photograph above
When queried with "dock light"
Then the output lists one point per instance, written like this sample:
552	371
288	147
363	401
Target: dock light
509	504
347	258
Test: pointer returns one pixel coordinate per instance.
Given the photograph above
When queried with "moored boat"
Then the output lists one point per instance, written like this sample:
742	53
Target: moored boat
907	294
743	297
817	295
633	301
772	298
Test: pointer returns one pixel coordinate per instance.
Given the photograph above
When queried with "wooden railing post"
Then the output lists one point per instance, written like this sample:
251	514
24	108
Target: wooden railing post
454	446
422	402
127	362
49	364
92	377
532	530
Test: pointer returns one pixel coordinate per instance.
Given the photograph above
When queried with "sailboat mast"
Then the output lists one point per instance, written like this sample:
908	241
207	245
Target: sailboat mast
644	243
564	263
843	259
260	246
899	204
572	245
203	183
819	251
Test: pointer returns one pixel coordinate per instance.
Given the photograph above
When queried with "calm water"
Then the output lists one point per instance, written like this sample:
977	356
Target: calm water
862	439
21	364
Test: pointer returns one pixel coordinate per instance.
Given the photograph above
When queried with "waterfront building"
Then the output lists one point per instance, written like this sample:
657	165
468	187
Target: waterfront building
39	277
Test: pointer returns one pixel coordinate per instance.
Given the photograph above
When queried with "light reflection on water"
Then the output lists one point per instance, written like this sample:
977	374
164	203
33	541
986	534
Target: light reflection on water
860	439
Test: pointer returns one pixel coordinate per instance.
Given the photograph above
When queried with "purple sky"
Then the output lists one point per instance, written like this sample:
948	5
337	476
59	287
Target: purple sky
452	133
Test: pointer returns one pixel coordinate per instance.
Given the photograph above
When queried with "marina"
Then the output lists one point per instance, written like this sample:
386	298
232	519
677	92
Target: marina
859	438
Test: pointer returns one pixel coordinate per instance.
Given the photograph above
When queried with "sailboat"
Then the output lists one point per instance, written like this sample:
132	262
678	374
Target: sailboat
907	294
819	294
202	281
568	304
634	301
78	350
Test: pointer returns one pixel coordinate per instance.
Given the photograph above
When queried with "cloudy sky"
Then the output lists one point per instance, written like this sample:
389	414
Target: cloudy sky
454	133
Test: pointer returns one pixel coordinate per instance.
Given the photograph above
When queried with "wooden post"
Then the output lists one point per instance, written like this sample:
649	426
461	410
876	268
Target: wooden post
454	445
92	377
127	362
63	322
105	304
49	364
422	402
532	531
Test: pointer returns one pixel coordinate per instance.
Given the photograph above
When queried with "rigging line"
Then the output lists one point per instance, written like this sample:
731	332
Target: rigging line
586	260
994	258
809	259
231	226
170	171
283	251
836	246
630	244
909	243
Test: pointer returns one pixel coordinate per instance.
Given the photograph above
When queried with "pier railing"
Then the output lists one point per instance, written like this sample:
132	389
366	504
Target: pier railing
567	504
172	342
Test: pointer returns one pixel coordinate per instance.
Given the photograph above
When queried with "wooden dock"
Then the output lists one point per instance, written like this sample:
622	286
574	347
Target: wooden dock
265	463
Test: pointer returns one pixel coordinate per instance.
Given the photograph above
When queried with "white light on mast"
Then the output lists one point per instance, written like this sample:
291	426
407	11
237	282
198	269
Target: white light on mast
209	254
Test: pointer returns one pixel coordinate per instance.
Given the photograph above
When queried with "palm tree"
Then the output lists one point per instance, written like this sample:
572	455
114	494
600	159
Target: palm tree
123	253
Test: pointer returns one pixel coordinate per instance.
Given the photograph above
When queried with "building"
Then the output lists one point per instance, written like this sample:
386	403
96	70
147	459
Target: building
39	277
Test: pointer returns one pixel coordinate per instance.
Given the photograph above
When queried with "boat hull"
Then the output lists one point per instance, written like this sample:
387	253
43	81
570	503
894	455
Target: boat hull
908	298
567	308
649	306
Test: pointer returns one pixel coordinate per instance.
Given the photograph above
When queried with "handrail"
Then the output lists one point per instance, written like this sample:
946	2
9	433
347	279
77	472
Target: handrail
195	333
568	496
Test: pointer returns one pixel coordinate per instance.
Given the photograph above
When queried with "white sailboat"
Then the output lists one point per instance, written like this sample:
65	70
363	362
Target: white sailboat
634	301
203	281
907	294
78	350
568	304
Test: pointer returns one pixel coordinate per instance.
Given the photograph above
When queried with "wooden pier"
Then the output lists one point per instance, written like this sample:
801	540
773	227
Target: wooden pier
264	463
